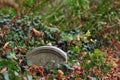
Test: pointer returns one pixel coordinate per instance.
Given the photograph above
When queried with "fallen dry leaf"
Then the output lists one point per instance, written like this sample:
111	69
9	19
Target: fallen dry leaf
89	77
94	7
20	61
78	70
84	54
78	79
41	71
78	37
58	33
3	70
23	51
88	61
33	69
5	45
25	78
36	32
77	67
114	64
60	74
5	29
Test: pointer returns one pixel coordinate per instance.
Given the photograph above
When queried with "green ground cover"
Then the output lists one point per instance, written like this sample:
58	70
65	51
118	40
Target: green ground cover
87	30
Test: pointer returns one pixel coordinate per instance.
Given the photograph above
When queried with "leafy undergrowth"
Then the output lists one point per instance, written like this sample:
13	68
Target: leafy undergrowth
92	47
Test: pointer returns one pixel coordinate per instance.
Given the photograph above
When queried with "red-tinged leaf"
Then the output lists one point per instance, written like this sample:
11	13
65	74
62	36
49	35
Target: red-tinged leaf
41	71
6	49
36	32
3	70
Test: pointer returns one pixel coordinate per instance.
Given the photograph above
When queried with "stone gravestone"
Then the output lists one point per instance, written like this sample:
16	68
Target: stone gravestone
46	55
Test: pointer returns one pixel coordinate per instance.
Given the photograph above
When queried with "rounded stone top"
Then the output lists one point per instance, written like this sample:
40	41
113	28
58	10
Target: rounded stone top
45	54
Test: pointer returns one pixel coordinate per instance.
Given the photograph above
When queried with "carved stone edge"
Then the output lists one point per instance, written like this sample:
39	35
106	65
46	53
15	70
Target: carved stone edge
62	53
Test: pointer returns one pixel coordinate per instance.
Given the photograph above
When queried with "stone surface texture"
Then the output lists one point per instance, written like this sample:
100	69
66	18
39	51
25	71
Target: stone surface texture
46	55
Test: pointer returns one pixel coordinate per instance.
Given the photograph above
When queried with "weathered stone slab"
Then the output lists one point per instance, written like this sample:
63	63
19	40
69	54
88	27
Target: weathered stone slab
46	55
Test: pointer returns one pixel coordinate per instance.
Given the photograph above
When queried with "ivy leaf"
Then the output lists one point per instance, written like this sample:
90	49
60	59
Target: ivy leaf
13	55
